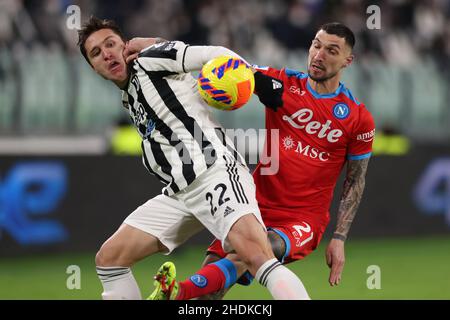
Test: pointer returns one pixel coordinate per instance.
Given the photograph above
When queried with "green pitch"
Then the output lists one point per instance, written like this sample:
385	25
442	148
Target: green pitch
412	268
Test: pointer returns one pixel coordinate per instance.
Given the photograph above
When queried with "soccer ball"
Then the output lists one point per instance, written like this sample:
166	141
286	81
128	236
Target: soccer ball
226	83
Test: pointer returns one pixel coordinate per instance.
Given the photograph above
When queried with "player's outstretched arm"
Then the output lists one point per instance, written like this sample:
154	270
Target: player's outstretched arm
194	60
350	200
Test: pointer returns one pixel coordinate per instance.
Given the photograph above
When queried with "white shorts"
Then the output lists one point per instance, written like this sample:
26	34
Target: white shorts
215	201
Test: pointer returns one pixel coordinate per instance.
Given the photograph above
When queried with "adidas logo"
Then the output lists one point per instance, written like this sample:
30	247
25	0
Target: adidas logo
276	84
228	210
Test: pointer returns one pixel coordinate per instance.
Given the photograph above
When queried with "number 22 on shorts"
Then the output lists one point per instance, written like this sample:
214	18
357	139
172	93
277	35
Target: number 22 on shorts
209	197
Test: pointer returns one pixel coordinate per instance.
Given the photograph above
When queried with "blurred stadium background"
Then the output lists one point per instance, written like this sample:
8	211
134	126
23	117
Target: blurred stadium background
70	170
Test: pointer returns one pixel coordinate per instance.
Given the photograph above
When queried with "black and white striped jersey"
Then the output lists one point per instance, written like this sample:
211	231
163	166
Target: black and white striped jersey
180	137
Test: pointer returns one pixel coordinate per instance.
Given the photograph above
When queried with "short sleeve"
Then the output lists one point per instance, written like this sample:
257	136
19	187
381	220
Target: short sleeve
268	71
360	146
163	57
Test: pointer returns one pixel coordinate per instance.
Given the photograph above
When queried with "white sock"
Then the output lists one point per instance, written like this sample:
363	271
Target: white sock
281	282
118	284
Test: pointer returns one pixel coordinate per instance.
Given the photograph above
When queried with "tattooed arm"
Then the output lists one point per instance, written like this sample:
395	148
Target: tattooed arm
351	197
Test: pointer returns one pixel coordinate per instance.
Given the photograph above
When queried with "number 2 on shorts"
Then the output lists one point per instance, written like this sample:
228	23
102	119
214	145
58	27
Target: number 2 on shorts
300	229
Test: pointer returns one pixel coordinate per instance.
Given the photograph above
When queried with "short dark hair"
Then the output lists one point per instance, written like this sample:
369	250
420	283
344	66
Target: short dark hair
341	31
92	25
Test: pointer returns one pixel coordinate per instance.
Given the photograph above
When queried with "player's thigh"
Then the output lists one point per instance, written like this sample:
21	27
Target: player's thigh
167	219
159	225
127	246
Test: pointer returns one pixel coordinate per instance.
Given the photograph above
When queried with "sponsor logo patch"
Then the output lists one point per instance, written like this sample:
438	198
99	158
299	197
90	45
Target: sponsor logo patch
366	137
276	84
228	211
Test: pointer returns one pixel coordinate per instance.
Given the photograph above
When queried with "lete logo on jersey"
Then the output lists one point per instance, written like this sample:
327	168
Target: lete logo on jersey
302	120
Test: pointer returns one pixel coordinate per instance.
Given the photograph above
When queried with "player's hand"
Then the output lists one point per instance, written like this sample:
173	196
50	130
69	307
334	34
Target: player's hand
134	46
335	257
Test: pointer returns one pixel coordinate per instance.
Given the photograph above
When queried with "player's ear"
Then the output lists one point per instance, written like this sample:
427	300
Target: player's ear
348	60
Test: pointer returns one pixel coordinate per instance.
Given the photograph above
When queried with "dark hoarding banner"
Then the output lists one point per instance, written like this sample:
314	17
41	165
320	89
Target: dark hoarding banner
61	204
74	203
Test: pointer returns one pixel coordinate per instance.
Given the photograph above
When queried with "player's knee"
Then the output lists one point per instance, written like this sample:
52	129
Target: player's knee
253	249
248	228
99	259
105	257
111	255
277	244
255	260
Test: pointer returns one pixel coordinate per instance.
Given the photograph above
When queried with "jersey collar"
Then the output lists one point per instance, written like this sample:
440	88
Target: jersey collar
325	95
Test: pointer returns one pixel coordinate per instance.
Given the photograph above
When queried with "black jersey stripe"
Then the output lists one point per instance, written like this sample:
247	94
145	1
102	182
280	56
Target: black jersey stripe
160	52
159	74
184	56
234	176
228	164
144	154
187	166
162	161
222	137
230	177
239	184
141	127
147	165
168	96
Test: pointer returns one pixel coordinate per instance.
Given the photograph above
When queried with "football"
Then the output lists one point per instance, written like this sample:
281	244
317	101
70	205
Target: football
226	83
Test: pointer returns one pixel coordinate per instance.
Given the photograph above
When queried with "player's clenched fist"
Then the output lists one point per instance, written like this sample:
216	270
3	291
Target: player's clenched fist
135	45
